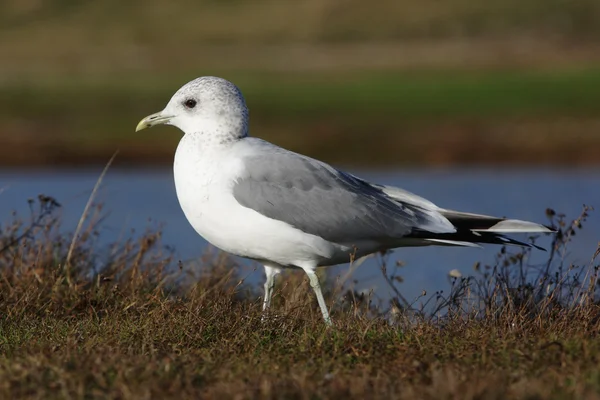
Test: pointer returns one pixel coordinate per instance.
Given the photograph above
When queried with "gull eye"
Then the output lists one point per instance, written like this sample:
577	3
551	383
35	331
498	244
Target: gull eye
190	103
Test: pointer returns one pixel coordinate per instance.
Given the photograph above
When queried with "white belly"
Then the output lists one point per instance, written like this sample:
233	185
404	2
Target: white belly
203	183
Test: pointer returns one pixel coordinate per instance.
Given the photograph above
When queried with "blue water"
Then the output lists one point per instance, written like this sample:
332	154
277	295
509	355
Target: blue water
136	199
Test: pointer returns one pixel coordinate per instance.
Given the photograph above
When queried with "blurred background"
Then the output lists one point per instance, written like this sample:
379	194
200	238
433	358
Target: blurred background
392	82
490	107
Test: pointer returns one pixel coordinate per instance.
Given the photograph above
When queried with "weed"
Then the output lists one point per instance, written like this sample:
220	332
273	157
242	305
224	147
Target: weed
134	324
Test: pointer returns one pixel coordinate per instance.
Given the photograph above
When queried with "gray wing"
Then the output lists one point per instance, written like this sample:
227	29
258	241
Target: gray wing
318	199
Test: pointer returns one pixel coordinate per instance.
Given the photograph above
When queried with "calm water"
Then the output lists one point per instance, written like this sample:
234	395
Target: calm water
137	199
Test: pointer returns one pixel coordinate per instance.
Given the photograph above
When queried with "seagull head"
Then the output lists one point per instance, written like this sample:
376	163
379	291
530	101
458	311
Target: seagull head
207	105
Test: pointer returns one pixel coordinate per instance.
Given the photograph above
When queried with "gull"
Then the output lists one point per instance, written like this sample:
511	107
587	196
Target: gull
256	200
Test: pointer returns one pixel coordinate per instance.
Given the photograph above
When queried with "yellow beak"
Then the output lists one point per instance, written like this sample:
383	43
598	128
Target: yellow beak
154	119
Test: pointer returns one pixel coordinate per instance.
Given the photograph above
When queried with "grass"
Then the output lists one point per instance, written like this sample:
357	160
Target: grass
409	117
328	20
132	326
138	35
428	82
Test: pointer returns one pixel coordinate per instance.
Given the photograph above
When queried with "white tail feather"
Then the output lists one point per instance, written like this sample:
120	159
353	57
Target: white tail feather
445	242
515	226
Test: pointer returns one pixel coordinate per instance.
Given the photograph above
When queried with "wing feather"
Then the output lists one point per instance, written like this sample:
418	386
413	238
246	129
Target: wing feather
321	200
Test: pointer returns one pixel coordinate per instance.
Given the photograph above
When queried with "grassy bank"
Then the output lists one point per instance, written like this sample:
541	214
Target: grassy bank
152	35
494	83
434	117
77	321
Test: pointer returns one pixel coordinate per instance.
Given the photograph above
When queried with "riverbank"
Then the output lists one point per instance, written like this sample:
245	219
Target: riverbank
376	118
79	321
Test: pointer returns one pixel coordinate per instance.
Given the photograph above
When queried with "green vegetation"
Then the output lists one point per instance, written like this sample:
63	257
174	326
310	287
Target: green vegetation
77	321
427	82
405	118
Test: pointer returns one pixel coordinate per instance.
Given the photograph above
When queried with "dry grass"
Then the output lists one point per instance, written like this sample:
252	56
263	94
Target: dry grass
364	118
152	35
74	74
130	327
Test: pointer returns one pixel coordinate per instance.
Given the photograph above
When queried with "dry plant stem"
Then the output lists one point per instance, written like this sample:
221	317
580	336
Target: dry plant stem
84	217
352	267
47	207
400	299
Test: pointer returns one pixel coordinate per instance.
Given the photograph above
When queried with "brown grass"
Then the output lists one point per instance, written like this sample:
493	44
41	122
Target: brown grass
133	325
365	118
152	35
368	142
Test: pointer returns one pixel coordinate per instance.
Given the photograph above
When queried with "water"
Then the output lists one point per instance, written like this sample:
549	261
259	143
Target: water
136	199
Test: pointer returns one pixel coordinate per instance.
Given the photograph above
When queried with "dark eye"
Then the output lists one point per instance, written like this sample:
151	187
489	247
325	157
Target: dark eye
190	103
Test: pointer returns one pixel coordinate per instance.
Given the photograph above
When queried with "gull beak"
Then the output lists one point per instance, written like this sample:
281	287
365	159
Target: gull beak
154	119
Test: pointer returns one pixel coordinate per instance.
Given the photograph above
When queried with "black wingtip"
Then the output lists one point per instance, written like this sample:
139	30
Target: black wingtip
538	247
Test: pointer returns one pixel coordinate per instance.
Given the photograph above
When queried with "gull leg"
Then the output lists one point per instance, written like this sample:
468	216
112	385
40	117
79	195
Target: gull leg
270	273
314	283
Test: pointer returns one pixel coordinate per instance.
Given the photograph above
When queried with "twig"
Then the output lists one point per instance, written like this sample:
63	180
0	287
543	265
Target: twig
47	206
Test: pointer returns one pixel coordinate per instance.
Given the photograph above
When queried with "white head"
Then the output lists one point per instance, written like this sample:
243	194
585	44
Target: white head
206	105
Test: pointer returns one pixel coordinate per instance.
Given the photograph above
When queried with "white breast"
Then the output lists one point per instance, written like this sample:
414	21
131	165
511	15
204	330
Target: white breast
204	176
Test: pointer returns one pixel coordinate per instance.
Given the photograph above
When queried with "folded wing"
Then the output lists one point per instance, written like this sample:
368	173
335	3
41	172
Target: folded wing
318	199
